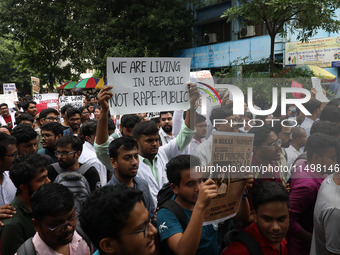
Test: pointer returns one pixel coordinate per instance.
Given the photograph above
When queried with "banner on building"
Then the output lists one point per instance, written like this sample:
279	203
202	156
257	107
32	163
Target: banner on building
146	84
75	101
324	52
9	88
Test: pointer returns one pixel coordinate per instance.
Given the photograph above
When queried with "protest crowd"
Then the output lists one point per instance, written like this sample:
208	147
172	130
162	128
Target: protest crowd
79	180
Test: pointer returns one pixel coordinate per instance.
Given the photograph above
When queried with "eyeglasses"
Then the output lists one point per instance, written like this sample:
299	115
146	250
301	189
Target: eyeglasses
46	135
273	144
145	230
287	134
51	118
15	154
63	154
72	222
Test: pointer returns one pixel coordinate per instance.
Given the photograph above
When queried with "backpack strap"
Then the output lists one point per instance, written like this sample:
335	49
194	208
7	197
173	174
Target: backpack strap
57	167
248	241
27	248
81	232
176	209
83	168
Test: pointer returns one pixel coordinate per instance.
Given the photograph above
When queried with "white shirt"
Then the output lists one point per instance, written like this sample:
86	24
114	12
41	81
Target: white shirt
292	154
88	156
7	190
165	138
306	125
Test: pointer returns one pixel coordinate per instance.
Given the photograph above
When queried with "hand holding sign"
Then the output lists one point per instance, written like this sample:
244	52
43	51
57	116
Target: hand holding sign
194	94
104	96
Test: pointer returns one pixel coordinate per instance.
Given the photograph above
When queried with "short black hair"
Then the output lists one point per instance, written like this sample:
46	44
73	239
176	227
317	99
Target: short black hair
65	108
7	127
72	111
178	164
326	127
220	113
330	113
51	199
166	112
75	142
200	118
3	104
266	192
5	140
24	116
54	127
43	114
145	128
334	101
111	125
25	168
26	105
260	134
87	129
317	143
124	143
24	133
312	105
156	120
129	120
106	211
248	115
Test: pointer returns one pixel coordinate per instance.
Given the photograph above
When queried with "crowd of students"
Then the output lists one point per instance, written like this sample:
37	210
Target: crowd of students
81	181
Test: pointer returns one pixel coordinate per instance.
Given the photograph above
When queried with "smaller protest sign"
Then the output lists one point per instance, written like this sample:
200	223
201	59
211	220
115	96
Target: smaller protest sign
9	88
316	83
50	100
230	165
35	85
150	115
9	99
75	101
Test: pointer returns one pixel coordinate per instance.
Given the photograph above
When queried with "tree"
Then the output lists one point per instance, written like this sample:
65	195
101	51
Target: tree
305	15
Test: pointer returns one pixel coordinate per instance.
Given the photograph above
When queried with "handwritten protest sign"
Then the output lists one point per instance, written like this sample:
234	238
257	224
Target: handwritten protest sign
9	88
50	100
231	158
316	83
9	99
75	101
145	84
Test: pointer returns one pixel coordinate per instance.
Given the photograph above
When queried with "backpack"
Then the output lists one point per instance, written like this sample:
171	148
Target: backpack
164	201
76	182
27	248
244	238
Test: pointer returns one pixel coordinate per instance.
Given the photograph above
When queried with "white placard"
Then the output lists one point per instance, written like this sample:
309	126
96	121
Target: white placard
9	88
316	83
75	101
51	99
148	84
9	99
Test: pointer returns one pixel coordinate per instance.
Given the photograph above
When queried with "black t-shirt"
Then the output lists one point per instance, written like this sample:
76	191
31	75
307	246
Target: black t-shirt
91	176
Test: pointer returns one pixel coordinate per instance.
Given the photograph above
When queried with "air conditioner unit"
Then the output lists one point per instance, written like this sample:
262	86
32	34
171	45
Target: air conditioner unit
247	31
210	38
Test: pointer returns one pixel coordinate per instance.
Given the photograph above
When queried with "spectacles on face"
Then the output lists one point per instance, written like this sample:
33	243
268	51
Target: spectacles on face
145	230
15	154
46	135
63	154
51	118
60	228
273	144
287	134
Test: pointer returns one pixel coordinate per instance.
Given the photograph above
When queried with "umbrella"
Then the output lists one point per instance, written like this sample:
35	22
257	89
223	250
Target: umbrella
101	83
321	73
87	83
68	85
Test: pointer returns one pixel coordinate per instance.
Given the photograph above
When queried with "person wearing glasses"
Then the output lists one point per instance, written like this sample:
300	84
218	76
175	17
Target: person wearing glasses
50	133
55	219
46	116
68	151
117	222
304	187
28	173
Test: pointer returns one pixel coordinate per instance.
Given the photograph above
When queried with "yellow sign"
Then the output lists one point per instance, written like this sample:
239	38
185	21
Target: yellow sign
324	52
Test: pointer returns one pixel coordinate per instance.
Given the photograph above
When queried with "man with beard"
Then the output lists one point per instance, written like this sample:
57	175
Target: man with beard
68	151
74	120
51	132
165	132
6	119
125	162
27	139
271	224
30	108
28	173
55	220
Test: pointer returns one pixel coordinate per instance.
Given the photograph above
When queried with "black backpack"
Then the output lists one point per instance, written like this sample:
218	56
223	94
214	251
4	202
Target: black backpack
164	201
244	238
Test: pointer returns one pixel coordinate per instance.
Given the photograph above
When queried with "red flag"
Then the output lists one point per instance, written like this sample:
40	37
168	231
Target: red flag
297	85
